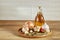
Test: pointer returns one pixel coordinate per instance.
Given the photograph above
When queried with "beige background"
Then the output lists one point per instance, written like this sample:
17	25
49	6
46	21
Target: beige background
26	9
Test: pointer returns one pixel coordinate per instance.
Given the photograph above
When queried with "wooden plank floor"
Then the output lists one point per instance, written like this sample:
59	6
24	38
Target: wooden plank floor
9	30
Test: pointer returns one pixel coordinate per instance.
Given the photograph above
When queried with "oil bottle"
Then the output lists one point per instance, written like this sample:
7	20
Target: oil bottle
39	19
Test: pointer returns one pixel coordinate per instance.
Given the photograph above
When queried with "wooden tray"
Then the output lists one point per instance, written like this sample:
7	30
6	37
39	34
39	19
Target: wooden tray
37	36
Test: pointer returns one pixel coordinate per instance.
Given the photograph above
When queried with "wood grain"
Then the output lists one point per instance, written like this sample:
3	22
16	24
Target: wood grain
9	30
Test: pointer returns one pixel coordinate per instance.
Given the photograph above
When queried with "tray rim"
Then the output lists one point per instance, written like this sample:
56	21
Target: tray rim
23	35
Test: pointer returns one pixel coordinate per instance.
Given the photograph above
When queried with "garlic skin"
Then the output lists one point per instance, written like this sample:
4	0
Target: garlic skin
46	27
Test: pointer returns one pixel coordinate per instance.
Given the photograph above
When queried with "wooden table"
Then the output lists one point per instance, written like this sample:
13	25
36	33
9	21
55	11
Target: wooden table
9	30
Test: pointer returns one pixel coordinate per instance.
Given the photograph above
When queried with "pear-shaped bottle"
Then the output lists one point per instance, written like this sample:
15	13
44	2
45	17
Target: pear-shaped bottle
39	19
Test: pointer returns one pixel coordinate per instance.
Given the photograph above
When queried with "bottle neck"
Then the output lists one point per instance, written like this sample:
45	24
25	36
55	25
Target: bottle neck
39	10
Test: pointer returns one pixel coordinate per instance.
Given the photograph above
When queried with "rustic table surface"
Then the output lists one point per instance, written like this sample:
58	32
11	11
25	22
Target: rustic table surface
9	31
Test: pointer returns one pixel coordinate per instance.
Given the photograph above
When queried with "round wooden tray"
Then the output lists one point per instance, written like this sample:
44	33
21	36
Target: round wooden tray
39	36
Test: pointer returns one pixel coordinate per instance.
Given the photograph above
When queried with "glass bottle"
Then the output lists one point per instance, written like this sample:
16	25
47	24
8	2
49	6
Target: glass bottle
39	19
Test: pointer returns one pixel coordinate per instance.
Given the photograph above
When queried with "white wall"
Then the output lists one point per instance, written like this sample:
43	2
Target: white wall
27	9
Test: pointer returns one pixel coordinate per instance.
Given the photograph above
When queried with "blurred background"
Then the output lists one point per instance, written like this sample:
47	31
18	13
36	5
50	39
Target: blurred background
27	9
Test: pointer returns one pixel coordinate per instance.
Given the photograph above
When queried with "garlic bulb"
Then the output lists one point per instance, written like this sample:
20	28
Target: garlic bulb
46	27
25	29
26	32
27	26
37	28
31	31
